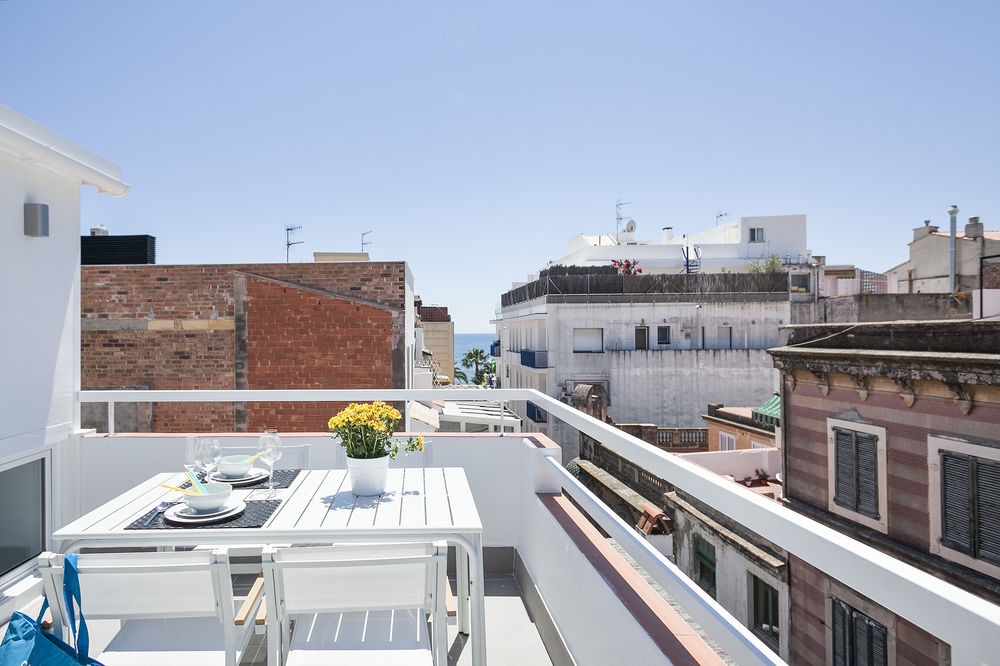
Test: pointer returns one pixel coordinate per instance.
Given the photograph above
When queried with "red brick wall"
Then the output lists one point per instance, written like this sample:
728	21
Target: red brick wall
165	360
299	339
991	275
306	341
806	412
206	292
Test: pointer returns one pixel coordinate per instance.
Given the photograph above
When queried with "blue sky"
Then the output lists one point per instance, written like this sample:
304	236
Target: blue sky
474	139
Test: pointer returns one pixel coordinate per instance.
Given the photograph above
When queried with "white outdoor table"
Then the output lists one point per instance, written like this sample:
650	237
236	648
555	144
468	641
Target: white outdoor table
424	504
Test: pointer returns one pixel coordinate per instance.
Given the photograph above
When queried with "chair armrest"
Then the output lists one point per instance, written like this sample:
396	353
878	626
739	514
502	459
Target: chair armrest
252	600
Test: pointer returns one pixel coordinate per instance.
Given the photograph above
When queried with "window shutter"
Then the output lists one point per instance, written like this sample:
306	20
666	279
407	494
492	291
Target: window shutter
867	462
862	639
840	647
845	491
988	511
879	645
956	502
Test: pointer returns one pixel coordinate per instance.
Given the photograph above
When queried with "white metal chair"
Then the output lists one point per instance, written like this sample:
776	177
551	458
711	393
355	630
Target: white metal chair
175	607
359	604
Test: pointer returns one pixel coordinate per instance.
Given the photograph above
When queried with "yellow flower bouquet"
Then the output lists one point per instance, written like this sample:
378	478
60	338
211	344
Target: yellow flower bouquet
365	431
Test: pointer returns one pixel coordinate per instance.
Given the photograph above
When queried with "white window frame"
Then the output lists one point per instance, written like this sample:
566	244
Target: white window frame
750	235
730	438
880	433
46	456
936	444
754	444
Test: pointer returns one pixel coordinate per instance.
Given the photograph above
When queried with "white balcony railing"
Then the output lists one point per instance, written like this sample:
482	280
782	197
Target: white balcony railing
957	617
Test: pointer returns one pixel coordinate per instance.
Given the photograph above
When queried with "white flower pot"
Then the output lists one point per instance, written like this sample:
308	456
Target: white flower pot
368	475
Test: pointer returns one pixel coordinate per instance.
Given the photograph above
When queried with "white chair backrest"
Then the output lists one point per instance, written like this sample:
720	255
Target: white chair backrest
293	456
148	585
355	577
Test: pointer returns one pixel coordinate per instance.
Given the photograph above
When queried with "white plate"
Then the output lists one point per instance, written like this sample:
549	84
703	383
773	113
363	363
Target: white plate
252	477
180	514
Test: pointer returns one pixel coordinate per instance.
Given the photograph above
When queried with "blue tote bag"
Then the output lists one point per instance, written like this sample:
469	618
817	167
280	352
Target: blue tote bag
27	644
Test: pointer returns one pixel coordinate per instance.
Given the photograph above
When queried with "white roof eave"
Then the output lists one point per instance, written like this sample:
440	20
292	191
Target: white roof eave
37	144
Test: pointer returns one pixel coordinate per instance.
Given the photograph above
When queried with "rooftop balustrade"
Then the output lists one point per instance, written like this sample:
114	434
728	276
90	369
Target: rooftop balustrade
519	487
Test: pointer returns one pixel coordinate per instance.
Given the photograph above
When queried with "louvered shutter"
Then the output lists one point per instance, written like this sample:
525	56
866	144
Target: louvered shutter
862	640
988	511
840	646
879	645
956	502
845	489
866	447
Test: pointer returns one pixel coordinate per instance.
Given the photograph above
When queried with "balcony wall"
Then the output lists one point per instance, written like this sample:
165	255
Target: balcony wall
535	359
507	479
519	500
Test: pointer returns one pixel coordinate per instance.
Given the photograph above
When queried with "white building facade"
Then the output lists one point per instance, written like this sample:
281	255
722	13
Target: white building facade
40	178
661	357
724	248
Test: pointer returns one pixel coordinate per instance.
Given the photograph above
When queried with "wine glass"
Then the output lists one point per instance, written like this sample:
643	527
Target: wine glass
269	450
191	454
207	455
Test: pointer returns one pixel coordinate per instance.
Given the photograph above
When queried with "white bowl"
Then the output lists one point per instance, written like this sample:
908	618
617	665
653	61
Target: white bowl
235	466
216	495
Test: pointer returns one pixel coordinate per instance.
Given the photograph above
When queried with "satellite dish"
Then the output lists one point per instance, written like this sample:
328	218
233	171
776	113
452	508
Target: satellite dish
630	227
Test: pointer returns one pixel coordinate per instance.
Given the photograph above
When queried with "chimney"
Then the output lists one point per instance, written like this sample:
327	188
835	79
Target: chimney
99	230
974	229
920	232
666	235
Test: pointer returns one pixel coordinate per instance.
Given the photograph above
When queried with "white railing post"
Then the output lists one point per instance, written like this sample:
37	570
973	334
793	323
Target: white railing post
501	417
111	417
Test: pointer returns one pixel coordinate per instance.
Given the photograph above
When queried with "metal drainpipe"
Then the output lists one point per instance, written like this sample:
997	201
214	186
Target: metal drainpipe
953	212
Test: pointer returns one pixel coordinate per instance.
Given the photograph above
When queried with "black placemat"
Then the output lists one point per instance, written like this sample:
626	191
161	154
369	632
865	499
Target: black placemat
255	515
282	479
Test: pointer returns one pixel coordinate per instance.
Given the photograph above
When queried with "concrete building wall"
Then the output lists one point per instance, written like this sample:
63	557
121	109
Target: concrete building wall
734	569
666	384
439	337
927	269
882	307
743	438
244	326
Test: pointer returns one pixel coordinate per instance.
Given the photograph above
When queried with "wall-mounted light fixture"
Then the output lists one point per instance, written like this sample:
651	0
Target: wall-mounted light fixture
36	219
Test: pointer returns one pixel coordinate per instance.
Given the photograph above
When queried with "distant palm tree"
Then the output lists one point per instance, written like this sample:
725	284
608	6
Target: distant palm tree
461	376
475	358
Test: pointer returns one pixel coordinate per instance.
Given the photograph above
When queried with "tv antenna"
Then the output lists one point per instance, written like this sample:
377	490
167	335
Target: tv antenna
363	241
619	218
719	216
289	230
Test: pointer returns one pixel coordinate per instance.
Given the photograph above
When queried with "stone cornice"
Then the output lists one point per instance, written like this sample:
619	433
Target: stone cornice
946	367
